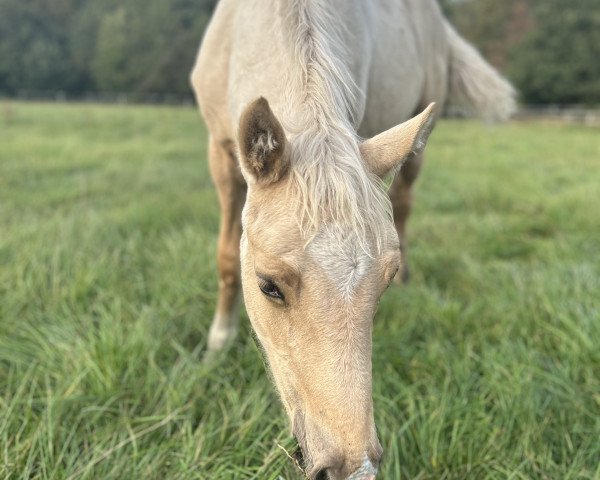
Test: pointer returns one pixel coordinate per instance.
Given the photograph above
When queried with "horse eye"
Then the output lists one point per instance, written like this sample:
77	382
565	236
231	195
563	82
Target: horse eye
269	288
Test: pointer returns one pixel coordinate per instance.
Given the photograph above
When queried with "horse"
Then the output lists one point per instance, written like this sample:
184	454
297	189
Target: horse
310	105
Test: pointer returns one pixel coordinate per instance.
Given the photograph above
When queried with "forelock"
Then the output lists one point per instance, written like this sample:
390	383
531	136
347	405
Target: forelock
331	185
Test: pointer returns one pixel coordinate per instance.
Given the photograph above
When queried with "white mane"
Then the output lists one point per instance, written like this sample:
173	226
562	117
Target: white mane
327	170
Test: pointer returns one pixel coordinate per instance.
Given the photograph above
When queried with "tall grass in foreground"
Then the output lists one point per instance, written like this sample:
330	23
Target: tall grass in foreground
487	366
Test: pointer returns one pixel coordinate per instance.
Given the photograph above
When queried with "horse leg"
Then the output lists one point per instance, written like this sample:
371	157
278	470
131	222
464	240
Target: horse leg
401	196
231	190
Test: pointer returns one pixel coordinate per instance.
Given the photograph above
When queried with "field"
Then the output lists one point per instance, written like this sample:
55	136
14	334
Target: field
487	366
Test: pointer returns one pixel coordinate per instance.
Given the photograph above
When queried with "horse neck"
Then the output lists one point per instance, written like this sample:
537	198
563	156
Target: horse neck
320	90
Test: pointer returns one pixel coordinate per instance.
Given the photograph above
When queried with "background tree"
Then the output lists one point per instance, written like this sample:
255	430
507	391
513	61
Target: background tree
494	27
110	67
559	60
133	46
34	52
549	48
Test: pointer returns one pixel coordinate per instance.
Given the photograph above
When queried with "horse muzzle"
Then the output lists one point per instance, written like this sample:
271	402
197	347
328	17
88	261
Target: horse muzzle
367	471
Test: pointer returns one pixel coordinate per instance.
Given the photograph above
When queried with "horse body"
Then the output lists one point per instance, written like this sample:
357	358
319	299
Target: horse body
303	210
397	68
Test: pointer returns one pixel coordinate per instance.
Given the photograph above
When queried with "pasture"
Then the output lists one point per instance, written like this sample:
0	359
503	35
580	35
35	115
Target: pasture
486	366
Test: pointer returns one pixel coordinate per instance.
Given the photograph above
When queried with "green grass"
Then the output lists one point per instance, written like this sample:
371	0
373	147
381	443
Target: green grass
486	366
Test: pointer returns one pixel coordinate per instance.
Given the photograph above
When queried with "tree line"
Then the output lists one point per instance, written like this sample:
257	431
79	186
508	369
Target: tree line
548	48
122	46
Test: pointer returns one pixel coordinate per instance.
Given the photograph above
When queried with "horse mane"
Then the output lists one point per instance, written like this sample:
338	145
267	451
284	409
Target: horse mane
328	173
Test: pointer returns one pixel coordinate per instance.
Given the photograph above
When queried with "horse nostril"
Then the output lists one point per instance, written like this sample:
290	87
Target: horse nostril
321	475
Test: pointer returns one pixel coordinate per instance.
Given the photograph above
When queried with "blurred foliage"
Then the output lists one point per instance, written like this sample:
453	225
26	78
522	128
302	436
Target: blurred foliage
559	61
134	46
549	48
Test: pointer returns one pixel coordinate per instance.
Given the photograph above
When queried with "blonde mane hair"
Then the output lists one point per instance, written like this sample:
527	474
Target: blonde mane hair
328	173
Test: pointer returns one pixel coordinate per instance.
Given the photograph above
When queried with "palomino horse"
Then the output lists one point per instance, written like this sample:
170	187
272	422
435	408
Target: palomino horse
289	89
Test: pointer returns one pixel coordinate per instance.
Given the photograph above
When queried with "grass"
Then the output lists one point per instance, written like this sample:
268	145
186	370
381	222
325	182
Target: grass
487	366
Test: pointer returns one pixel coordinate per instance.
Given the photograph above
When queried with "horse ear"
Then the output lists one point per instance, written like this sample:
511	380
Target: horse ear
263	145
390	149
